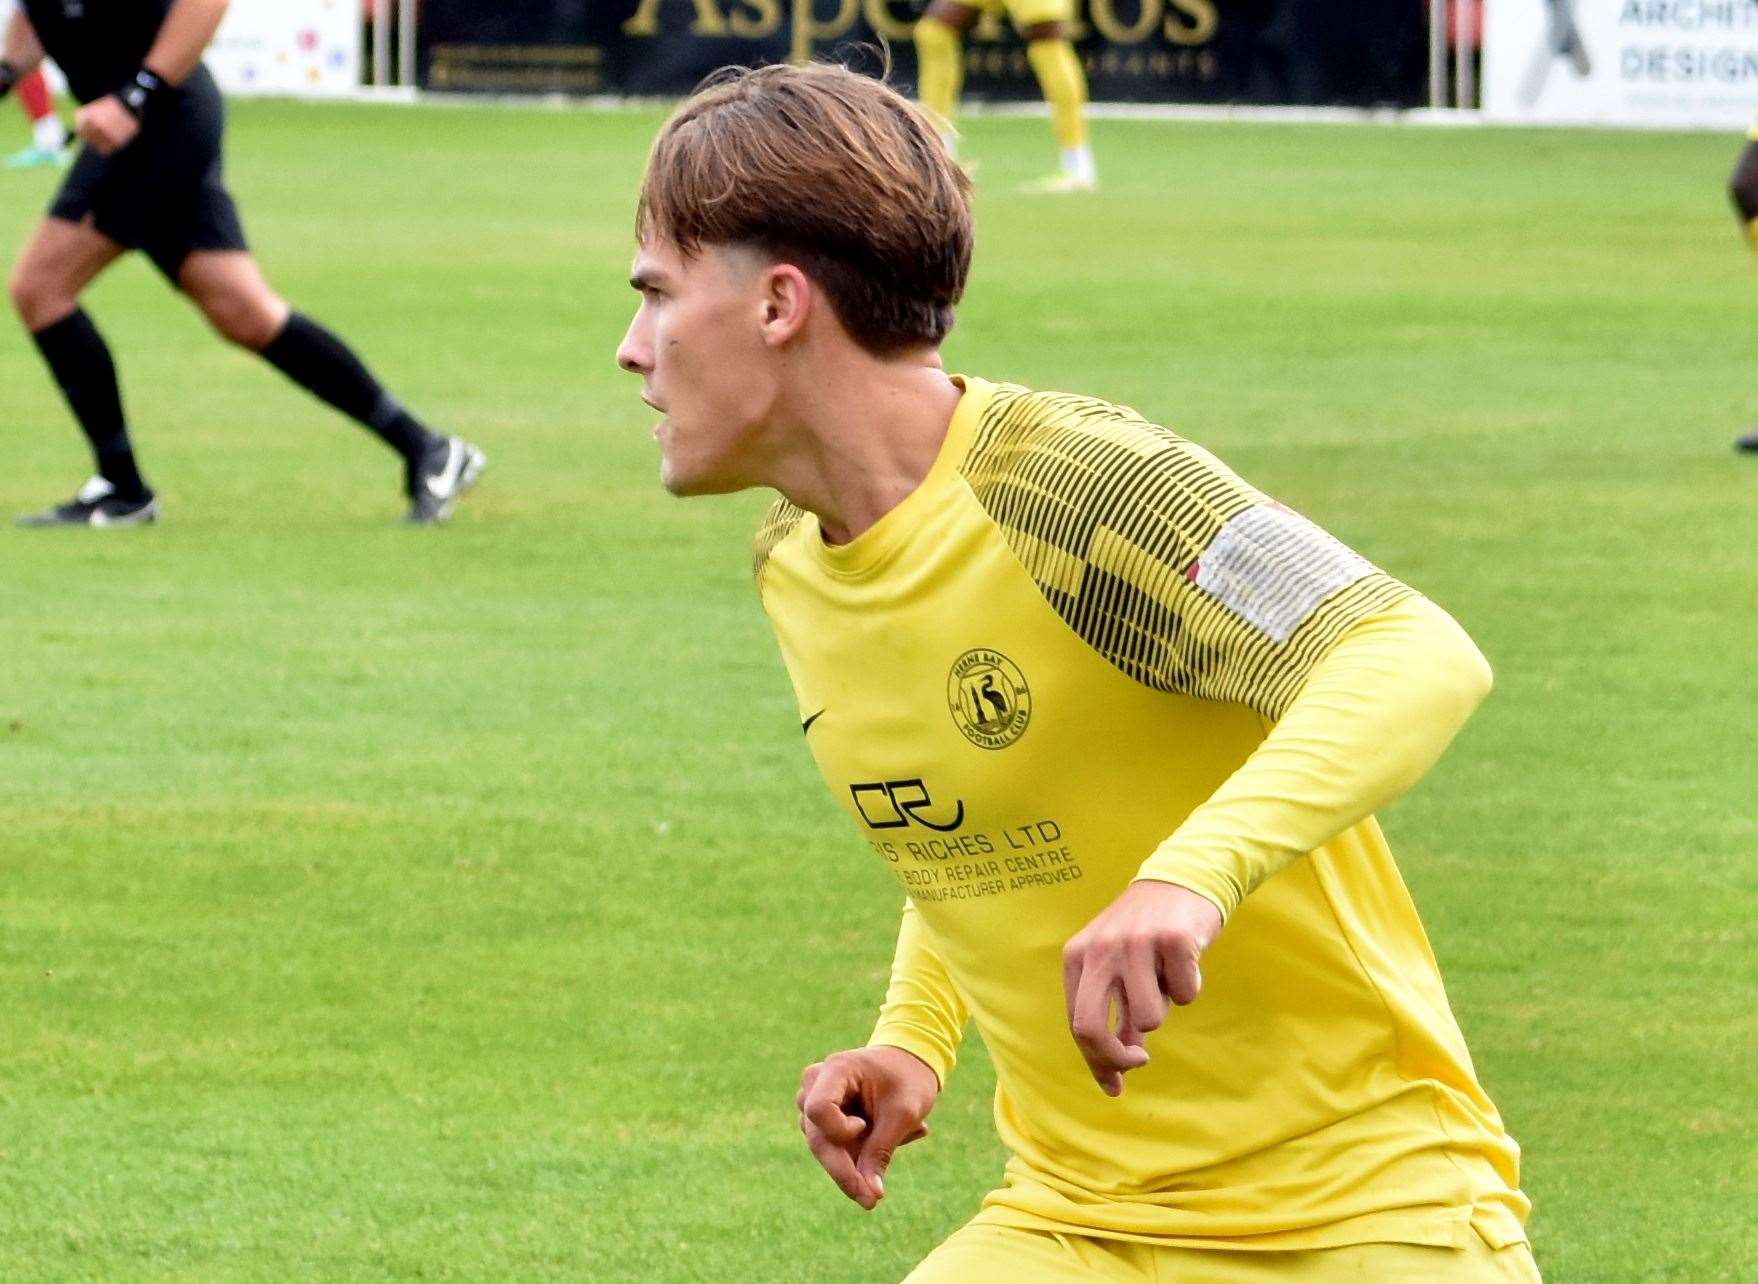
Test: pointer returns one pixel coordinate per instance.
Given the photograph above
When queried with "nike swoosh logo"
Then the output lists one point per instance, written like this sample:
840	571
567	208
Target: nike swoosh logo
440	484
806	726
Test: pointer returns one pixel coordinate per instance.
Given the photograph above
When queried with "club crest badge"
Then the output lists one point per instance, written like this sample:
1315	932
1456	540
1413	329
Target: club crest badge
989	699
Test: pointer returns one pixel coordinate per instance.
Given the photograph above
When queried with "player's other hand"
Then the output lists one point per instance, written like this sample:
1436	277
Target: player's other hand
106	124
856	1109
1124	969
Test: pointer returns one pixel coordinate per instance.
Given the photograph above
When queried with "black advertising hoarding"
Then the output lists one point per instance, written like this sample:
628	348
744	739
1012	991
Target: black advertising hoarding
1295	52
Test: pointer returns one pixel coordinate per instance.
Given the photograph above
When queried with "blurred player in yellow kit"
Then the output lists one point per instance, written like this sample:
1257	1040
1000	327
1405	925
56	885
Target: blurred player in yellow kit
1044	26
1115	721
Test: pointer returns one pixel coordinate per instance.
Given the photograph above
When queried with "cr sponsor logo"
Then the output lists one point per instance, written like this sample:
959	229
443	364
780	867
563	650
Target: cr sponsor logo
898	804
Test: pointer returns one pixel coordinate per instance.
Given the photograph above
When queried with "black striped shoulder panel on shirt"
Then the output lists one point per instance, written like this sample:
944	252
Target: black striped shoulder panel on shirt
781	518
1165	562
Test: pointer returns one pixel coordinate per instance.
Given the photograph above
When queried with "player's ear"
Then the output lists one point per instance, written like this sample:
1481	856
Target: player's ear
786	302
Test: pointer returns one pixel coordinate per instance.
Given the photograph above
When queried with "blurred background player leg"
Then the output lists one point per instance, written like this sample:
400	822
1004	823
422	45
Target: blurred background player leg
1043	24
228	287
940	63
1743	188
48	135
56	265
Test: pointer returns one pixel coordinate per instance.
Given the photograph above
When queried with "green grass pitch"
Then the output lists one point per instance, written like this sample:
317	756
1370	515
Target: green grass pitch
382	904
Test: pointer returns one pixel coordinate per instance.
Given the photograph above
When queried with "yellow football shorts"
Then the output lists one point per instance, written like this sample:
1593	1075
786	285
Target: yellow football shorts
979	1253
1029	13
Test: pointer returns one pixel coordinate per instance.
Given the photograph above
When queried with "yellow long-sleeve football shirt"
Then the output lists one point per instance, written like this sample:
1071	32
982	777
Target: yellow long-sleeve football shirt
1083	652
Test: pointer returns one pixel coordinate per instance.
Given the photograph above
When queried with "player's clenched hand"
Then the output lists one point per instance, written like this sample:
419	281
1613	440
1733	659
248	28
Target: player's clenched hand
1140	955
106	124
857	1108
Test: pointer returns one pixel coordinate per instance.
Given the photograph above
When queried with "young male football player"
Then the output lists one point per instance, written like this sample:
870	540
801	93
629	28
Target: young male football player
149	178
1116	721
1043	25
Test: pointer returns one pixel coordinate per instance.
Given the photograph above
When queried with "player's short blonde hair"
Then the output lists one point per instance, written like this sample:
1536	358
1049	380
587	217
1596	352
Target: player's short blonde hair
829	170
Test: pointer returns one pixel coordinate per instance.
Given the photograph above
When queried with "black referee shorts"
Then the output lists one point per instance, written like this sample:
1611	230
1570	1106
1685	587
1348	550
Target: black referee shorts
163	194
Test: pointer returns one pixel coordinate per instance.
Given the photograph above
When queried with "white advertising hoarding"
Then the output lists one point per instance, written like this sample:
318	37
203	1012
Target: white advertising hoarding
1622	62
299	47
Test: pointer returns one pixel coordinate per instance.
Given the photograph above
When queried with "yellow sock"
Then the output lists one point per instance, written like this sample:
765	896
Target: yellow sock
1064	85
940	73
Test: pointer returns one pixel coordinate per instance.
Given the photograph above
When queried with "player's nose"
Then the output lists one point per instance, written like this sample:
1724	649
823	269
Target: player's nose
633	355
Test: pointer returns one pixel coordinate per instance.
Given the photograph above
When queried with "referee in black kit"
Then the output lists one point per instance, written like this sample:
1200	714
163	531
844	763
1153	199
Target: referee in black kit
149	179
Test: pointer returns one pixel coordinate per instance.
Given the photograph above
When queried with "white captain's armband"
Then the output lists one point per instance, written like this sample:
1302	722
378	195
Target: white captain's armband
1273	568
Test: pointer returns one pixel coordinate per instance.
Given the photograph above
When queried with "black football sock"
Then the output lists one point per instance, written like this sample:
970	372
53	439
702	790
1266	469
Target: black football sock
79	359
324	366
